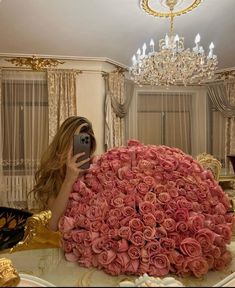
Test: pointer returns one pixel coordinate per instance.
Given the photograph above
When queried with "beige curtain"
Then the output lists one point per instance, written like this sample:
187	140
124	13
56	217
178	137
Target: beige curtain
230	121
24	133
222	95
164	118
61	98
2	187
118	94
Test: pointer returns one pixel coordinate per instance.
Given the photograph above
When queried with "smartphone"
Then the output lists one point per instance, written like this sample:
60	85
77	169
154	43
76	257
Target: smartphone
82	143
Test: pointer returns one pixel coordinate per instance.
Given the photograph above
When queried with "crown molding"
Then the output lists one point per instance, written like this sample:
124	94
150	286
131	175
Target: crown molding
71	58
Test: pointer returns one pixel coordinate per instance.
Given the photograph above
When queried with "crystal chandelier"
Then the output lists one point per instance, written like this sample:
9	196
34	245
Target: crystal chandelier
172	64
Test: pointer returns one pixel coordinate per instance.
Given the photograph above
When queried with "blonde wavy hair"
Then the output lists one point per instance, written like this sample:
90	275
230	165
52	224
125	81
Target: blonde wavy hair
51	173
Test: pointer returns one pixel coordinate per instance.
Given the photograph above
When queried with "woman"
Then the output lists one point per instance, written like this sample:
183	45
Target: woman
59	168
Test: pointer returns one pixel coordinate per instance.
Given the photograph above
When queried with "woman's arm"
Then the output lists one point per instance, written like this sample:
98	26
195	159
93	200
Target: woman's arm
58	205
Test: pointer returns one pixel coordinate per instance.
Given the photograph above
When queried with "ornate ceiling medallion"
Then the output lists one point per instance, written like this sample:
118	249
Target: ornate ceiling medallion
35	63
161	9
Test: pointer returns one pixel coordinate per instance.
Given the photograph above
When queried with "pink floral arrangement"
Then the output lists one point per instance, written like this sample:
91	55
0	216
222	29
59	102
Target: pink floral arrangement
147	209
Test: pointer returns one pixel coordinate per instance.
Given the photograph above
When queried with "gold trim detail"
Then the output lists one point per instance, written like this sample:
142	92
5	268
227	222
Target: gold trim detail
225	75
9	276
146	7
37	235
35	63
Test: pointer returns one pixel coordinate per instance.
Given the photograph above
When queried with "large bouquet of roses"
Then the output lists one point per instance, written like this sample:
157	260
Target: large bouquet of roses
147	209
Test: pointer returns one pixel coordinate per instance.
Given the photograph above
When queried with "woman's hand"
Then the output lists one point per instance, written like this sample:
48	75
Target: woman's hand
73	170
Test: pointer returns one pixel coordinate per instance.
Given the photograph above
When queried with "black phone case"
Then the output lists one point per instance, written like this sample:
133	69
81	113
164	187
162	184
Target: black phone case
82	143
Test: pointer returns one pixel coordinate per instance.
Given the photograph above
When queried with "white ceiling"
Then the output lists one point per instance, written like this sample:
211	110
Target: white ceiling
108	28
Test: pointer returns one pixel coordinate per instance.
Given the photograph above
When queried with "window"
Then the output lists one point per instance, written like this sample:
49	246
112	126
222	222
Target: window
165	119
24	113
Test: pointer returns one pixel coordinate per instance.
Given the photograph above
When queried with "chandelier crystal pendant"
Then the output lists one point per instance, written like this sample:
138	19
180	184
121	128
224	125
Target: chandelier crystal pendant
172	64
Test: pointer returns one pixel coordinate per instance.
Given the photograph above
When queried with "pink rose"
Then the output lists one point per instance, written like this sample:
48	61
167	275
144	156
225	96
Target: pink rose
161	263
129	200
128	211
94	213
220	209
210	260
160	216
225	231
145	165
106	257
115	164
136	224
125	232
66	224
167	244
153	247
215	252
104	228
134	252
149	233
122	245
173	192
150	197
95	226
123	259
117	202
205	236
181	227
198	265
82	222
68	246
79	235
97	245
133	142
164	197
71	257
137	239
219	219
143	268
225	259
144	255
195	223
149	181
196	207
172	205
142	188
114	268
133	266
117	213
113	222
176	237
175	257
191	196
190	247
183	203
149	220
181	215
160	232
169	224
146	207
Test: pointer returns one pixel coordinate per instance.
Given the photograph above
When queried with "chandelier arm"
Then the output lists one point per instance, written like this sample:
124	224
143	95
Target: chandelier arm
171	24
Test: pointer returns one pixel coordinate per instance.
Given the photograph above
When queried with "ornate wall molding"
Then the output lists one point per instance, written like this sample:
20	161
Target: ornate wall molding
35	63
225	75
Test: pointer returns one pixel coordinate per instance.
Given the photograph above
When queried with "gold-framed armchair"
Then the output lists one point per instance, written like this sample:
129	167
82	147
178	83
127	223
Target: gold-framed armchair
209	162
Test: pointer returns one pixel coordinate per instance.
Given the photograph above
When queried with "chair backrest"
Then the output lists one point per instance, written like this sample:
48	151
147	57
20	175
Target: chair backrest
209	162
